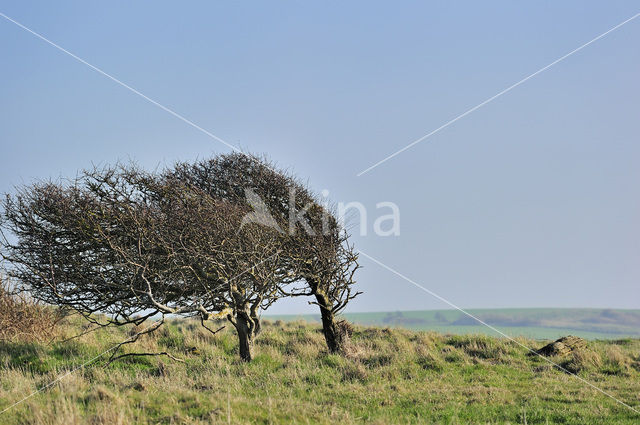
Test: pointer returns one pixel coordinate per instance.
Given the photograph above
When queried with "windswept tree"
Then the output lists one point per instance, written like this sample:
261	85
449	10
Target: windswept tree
80	248
134	246
238	262
327	265
315	248
229	235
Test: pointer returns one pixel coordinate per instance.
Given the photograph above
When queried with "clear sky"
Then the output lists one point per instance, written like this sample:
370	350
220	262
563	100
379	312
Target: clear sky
529	201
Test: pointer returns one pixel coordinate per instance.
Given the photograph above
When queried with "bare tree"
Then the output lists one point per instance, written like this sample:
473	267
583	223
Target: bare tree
134	245
241	262
327	266
315	248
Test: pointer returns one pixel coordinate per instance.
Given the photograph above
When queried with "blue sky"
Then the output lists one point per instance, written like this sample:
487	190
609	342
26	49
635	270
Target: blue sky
530	201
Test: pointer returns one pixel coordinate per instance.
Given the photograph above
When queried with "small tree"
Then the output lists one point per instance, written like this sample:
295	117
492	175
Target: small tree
315	248
328	267
134	245
242	262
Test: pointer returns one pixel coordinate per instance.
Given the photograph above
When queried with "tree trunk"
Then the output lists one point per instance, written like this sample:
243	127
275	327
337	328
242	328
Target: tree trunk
257	327
331	336
245	337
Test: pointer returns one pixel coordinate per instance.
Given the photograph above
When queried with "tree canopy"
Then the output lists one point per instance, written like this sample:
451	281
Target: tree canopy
186	241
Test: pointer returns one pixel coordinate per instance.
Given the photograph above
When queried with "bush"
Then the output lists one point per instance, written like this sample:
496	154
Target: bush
23	319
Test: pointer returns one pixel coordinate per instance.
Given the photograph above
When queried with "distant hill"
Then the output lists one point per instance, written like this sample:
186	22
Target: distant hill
541	323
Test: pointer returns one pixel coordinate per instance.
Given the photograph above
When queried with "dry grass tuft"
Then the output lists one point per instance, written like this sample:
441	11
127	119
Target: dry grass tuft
582	360
23	319
616	362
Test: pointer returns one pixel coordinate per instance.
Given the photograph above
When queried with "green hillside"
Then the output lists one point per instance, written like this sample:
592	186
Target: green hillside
386	376
538	323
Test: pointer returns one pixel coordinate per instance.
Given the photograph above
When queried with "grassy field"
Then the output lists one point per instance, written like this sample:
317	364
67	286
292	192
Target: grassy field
537	323
386	376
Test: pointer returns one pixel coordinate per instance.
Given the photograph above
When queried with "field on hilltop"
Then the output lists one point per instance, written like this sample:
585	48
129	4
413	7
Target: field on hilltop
536	323
386	376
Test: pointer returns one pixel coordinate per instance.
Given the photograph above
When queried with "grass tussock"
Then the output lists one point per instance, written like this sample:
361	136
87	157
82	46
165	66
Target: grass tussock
23	319
583	360
385	376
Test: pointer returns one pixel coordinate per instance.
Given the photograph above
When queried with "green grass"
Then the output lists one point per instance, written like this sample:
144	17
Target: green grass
537	323
386	376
